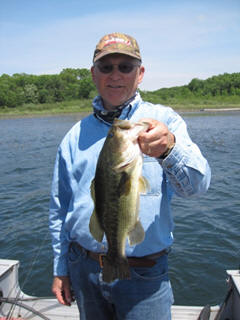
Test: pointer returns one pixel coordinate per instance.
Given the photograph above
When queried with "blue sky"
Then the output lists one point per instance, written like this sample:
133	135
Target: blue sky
179	40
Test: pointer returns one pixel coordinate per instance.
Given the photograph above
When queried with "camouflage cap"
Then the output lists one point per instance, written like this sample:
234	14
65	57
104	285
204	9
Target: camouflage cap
117	43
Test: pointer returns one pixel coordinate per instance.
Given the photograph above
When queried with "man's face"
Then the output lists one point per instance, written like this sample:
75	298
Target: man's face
116	87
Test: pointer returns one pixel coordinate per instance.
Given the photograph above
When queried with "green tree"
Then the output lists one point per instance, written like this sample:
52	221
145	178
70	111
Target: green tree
86	86
3	97
31	93
196	85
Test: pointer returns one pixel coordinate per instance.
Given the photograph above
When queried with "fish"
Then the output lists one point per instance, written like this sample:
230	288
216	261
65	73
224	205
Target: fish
115	191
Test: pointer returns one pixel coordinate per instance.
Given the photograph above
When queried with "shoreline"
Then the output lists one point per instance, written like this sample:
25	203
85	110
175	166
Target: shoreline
220	109
53	114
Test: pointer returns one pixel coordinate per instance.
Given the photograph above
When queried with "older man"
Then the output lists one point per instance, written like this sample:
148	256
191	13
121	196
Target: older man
172	164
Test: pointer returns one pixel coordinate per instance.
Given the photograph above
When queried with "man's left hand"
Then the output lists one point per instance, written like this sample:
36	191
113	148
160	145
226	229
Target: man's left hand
157	139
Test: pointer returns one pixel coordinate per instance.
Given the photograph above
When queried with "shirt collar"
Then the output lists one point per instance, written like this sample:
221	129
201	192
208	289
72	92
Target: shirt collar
123	111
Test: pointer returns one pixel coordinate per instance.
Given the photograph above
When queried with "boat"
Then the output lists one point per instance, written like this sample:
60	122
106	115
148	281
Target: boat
16	305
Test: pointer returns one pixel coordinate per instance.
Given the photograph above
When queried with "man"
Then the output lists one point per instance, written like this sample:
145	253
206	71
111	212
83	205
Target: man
172	164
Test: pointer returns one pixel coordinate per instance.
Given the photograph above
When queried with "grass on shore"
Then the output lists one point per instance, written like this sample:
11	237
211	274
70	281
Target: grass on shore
84	105
74	106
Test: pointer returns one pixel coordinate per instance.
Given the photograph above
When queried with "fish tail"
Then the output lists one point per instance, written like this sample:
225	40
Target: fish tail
114	271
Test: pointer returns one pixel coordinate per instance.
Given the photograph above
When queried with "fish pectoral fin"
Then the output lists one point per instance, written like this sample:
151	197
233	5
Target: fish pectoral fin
137	234
143	185
92	188
95	228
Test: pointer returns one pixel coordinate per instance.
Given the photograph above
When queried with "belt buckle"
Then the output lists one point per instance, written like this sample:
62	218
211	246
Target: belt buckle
100	258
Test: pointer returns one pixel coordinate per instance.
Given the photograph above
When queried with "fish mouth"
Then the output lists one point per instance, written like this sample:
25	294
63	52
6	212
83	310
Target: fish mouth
126	124
122	124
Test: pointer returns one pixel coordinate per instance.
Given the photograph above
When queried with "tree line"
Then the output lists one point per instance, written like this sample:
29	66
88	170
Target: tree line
224	85
72	84
21	88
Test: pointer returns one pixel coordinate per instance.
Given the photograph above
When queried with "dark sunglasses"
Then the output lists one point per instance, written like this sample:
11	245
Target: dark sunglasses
123	67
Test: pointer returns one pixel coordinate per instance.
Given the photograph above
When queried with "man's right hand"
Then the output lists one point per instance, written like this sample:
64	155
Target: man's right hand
62	290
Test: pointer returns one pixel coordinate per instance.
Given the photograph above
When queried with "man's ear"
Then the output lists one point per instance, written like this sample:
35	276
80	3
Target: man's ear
141	74
93	73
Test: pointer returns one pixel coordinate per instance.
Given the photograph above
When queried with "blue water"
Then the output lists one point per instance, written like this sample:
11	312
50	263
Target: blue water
206	232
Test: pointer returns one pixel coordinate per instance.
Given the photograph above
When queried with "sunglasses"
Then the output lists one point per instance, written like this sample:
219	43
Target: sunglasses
123	67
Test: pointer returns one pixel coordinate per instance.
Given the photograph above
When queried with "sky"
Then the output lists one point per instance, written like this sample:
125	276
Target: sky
179	39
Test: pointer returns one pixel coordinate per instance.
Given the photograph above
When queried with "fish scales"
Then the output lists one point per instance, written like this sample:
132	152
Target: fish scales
115	191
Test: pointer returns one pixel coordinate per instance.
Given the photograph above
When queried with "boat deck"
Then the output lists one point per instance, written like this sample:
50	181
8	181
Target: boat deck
27	307
52	310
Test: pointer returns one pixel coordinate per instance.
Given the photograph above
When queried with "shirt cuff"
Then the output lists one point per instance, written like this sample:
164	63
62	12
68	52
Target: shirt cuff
60	267
173	160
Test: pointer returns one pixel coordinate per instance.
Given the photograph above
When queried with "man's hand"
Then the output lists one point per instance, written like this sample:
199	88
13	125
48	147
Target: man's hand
61	289
156	140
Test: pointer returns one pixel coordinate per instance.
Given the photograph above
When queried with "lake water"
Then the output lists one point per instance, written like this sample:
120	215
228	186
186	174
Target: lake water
207	236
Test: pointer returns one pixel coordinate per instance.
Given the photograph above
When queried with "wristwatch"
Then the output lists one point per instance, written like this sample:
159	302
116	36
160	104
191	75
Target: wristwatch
169	149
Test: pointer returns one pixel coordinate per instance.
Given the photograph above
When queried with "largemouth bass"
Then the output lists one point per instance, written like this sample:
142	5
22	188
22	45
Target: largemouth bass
115	190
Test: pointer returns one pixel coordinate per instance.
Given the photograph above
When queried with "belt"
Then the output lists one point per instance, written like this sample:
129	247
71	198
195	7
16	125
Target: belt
145	261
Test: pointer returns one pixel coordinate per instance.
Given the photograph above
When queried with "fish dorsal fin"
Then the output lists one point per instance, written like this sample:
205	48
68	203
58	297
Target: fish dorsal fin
94	226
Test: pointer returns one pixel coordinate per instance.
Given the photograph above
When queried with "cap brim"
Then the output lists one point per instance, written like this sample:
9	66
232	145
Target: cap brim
106	53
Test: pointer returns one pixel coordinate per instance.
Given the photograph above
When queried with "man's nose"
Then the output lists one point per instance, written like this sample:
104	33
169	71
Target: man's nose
115	73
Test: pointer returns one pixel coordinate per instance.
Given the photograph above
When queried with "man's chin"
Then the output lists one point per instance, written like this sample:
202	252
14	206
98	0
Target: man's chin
112	105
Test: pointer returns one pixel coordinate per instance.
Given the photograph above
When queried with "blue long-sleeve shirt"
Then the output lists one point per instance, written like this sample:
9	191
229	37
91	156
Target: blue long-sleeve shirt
184	172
